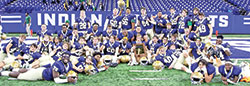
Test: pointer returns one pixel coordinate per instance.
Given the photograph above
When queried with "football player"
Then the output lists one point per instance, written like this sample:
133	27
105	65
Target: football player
125	33
43	31
128	20
140	31
45	46
94	46
146	22
160	23
95	31
224	48
168	61
205	29
152	46
194	18
64	34
14	45
184	23
125	49
205	68
167	31
230	74
75	36
172	18
114	19
138	50
56	42
79	47
109	32
83	22
111	49
54	73
196	50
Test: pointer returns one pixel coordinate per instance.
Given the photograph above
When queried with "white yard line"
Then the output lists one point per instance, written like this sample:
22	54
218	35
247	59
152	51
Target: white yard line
149	79
144	71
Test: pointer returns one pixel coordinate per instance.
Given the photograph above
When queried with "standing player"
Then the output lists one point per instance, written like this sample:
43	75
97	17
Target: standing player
27	23
184	23
83	23
205	29
160	24
58	69
194	18
172	18
114	19
128	20
230	74
145	22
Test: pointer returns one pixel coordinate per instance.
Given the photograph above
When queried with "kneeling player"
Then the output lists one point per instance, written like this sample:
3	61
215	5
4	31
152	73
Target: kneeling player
58	69
230	73
207	70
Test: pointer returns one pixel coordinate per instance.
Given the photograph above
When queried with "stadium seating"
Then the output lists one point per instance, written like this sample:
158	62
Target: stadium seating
22	6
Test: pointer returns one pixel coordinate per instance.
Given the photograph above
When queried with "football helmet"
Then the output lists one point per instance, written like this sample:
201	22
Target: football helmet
107	60
143	61
125	59
90	70
3	36
100	64
71	73
197	78
15	64
158	65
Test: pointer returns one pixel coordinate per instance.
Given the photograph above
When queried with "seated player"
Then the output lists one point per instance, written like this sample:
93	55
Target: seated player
165	42
205	68
125	33
54	73
124	50
98	62
45	46
167	31
57	42
139	50
42	32
95	31
109	32
79	47
230	74
224	48
14	45
140	31
111	49
205	30
196	50
178	43
75	36
168	61
94	46
152	46
64	34
30	55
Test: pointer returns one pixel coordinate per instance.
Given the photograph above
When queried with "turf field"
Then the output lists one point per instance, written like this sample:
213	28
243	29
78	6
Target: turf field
124	75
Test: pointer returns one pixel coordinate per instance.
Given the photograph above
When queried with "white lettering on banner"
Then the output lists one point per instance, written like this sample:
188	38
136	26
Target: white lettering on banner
73	16
245	21
95	19
39	18
223	20
60	19
48	18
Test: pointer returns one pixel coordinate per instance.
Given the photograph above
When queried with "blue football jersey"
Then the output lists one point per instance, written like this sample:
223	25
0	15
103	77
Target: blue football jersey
172	18
32	56
59	67
41	34
127	21
142	33
182	24
110	49
144	23
203	27
58	54
80	64
114	21
166	60
95	47
83	24
45	47
235	71
106	34
210	69
129	35
125	47
96	33
194	48
158	28
153	46
76	38
65	35
16	45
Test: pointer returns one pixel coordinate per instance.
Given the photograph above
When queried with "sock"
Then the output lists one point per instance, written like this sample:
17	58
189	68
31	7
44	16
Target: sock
5	73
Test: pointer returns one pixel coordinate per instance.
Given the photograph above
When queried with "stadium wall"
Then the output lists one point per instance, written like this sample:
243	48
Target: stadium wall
13	23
